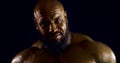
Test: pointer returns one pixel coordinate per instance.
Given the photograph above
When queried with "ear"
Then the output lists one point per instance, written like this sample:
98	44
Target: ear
65	15
35	23
37	14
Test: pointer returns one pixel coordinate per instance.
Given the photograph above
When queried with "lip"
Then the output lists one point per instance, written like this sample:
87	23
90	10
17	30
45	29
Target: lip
56	36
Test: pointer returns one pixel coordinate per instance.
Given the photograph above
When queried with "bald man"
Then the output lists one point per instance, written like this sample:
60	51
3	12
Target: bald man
57	44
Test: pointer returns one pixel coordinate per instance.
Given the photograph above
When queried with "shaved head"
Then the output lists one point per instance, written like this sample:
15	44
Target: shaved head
44	7
51	21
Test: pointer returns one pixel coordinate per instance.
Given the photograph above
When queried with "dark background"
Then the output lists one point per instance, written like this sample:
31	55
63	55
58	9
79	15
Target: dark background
94	18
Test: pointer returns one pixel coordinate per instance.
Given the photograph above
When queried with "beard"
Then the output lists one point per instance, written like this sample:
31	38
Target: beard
55	46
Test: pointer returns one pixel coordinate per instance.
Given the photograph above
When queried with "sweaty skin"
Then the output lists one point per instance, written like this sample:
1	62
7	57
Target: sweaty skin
57	44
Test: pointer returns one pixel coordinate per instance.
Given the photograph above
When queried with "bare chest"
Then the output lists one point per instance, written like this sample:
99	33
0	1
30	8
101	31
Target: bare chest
71	55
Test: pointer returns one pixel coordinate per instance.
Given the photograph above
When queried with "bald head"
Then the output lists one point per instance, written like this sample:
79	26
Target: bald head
45	7
51	21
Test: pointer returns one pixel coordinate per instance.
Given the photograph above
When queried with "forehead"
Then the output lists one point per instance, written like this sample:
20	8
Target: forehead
48	9
51	13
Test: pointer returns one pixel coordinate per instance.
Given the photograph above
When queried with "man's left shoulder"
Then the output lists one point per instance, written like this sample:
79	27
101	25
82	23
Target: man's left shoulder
77	38
104	53
100	51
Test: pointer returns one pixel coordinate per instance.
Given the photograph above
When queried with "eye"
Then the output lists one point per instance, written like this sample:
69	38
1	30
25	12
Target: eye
44	23
58	20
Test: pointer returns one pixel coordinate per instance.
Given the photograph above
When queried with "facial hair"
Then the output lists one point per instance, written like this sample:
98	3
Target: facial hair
57	47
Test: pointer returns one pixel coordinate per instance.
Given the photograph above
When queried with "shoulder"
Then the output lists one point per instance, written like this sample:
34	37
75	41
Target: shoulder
38	44
104	53
25	54
79	37
100	51
36	47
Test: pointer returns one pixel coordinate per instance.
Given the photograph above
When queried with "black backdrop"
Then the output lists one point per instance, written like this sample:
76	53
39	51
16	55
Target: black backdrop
94	18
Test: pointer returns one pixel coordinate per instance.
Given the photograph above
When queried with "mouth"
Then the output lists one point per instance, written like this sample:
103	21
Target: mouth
55	36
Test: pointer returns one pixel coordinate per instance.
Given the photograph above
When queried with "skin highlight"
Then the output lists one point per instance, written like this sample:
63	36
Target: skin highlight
57	44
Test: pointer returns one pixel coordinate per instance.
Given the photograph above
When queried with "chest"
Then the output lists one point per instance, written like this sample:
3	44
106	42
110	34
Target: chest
71	55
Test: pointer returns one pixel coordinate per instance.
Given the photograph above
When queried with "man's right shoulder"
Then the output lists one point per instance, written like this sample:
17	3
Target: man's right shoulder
37	44
19	58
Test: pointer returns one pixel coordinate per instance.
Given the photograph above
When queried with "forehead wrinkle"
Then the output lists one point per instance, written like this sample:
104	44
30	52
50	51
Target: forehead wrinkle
52	14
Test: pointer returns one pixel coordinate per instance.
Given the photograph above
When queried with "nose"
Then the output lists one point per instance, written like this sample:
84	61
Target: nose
53	27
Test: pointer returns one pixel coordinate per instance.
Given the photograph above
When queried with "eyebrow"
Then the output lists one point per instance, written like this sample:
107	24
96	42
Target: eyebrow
55	16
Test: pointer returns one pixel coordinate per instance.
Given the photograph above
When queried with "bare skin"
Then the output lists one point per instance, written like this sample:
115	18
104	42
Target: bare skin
58	45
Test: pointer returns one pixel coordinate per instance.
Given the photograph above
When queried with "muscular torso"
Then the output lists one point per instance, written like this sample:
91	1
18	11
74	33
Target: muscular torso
84	51
73	54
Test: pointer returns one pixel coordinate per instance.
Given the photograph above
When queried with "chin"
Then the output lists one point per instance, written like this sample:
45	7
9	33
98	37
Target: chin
56	40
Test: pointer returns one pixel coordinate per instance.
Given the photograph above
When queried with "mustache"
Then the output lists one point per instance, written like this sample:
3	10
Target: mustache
53	33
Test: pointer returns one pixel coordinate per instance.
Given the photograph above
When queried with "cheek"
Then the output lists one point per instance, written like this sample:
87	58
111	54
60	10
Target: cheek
40	29
64	27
